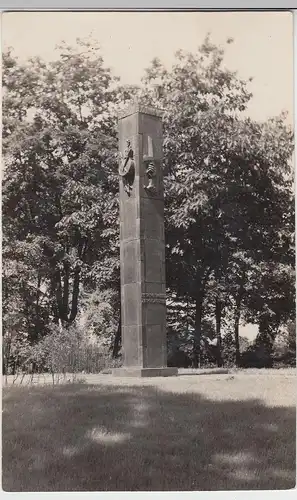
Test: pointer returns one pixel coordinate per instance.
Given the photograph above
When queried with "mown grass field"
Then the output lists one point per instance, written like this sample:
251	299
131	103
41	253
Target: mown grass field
212	432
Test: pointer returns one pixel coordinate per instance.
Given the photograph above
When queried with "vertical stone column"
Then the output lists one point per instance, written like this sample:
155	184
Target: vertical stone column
142	245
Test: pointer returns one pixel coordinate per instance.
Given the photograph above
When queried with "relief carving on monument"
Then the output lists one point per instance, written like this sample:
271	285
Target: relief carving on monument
127	168
151	173
154	298
150	169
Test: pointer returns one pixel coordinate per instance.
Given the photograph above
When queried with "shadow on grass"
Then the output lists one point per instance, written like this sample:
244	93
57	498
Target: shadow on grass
86	438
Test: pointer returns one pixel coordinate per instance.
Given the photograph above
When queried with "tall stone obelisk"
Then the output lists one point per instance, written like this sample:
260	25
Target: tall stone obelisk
142	244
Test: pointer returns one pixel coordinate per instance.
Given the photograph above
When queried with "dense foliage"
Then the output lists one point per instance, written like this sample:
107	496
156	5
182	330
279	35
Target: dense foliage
229	213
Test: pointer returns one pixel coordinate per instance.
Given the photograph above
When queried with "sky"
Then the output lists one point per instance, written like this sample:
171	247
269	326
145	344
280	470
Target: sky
262	48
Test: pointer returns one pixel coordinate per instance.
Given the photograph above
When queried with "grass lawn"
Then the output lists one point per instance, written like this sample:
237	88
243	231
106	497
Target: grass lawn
213	432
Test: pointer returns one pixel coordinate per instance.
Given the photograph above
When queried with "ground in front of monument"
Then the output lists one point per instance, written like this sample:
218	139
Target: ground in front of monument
191	432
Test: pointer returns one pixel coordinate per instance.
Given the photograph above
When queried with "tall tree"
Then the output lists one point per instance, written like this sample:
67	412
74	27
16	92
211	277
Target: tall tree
59	189
228	190
227	178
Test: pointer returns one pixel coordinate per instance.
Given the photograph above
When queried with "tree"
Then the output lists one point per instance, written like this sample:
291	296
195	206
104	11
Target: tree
229	212
227	179
272	303
60	185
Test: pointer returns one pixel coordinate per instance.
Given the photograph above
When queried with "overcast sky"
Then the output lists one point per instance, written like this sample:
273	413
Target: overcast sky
262	48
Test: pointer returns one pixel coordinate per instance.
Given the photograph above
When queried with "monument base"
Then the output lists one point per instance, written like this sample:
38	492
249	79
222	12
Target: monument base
144	372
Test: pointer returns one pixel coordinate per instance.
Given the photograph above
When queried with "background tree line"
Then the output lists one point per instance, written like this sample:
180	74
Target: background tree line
229	207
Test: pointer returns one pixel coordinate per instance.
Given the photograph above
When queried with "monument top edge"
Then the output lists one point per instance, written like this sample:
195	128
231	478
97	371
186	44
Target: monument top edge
139	108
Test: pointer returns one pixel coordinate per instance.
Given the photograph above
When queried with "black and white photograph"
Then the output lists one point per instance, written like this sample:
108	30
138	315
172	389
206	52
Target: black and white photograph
148	251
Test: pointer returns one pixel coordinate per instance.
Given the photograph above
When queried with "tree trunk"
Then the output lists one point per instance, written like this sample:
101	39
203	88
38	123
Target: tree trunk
236	324
201	283
117	340
218	313
75	294
38	292
66	289
82	248
197	338
59	296
236	335
37	322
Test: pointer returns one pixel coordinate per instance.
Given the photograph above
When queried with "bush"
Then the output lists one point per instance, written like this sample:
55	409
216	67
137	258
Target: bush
69	350
63	350
284	349
228	350
16	352
256	357
179	359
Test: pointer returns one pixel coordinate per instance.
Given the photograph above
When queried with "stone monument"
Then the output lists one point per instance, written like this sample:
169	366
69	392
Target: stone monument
142	244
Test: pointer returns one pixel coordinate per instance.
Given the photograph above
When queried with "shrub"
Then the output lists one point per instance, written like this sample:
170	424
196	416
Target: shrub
69	350
256	357
228	350
179	359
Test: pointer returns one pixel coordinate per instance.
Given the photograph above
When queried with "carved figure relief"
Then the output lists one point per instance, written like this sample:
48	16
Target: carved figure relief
150	168
151	175
127	168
